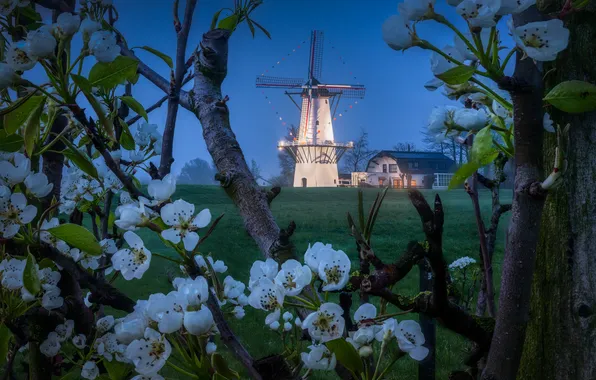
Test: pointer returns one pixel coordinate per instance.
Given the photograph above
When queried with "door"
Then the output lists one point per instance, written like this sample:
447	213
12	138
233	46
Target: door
395	183
303	182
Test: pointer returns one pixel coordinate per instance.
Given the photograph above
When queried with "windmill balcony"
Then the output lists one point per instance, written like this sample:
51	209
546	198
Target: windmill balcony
283	144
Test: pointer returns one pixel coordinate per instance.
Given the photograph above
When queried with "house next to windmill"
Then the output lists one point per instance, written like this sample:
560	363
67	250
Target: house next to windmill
406	170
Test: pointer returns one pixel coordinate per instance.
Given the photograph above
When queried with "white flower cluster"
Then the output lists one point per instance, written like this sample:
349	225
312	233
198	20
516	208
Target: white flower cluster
11	274
269	285
462	263
541	41
140	337
407	333
148	140
51	346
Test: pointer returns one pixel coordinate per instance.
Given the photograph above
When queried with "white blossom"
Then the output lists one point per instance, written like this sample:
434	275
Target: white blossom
319	358
14	213
415	10
131	327
67	24
238	312
88	26
232	288
40	42
51	345
79	341
547	123
410	339
7	75
132	262
293	277
210	348
179	216
107	346
479	13
15	172
37	184
396	32
90	370
287	316
365	312
162	189
298	322
541	41
262	269
104	324
103	46
470	119
326	323
167	310
388	330
19	58
433	84
152	376
462	262
439	64
146	133
218	266
149	355
12	273
199	322
64	330
51	299
196	291
334	270
274	325
266	295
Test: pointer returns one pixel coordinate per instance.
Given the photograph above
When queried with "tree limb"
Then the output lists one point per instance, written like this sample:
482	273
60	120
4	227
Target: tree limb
175	86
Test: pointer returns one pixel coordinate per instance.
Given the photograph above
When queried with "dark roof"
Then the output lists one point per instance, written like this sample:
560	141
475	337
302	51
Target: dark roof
426	161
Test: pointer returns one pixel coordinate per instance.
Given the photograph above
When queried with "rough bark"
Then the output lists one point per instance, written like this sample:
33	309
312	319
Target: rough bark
561	340
526	90
234	173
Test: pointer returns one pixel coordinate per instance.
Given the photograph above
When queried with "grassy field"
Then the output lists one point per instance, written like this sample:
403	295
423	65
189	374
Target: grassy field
320	215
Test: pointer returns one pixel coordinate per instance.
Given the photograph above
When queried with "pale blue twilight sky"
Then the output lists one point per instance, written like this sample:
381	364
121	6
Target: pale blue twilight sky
396	106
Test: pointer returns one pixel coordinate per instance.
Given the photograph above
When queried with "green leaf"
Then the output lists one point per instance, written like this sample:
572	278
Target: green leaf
84	141
111	220
166	58
346	354
573	96
221	367
86	87
75	374
79	159
15	119
109	75
16	104
214	19
46	263
262	29
10	143
126	139
251	27
482	149
32	127
229	23
29	13
117	370
30	278
457	75
5	336
579	4
135	106
137	183
78	237
463	173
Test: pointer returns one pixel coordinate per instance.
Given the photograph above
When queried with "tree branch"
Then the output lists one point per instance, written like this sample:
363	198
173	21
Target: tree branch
239	184
174	95
101	291
520	252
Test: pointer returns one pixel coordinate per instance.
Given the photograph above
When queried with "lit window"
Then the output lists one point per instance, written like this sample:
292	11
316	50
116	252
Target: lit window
384	168
392	168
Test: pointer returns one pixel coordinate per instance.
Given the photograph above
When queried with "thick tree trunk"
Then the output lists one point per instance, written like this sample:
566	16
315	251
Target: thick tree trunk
528	201
561	340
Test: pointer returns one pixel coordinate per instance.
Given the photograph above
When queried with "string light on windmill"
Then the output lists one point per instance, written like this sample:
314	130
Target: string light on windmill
272	70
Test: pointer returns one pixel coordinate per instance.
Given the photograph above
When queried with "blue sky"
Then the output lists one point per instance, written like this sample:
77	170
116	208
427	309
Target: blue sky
396	106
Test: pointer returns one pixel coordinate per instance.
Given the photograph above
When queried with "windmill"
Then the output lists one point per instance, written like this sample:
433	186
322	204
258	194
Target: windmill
314	149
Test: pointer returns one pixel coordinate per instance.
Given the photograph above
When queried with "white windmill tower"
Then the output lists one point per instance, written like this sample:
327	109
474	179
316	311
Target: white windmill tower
314	149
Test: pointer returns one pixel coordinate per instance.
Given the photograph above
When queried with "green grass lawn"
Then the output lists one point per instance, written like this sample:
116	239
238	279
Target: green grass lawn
320	215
